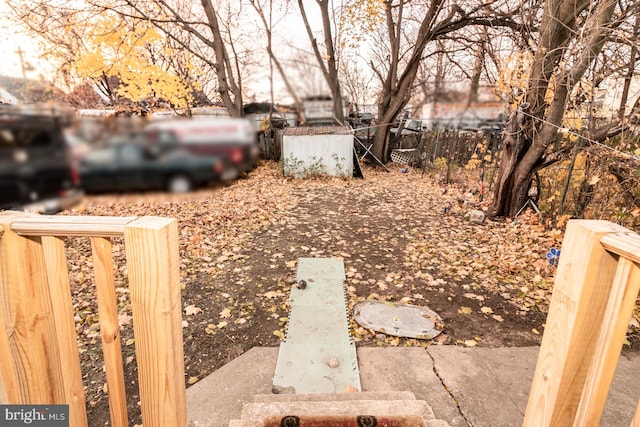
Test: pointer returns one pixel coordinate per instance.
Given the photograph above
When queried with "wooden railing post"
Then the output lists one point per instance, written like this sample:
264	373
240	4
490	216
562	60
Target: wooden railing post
109	329
30	362
584	281
62	308
154	283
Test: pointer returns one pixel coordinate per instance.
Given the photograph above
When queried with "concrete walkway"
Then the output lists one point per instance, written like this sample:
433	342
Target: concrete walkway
464	386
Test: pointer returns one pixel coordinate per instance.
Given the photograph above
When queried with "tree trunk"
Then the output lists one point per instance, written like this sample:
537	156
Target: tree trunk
514	144
534	127
226	83
630	72
274	58
330	68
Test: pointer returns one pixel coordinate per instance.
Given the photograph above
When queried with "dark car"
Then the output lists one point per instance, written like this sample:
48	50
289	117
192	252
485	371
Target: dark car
233	139
133	166
36	171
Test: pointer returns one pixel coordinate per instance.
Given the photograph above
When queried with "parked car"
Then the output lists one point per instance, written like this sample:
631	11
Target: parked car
36	171
233	139
78	148
134	166
410	127
160	141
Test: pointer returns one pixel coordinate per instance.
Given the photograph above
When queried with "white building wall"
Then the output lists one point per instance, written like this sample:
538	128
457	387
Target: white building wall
307	155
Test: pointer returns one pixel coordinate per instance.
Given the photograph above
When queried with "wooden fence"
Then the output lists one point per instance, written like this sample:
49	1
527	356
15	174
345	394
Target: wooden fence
594	295
42	365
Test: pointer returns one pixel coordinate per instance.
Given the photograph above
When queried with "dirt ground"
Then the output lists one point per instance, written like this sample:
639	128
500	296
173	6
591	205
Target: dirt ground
239	245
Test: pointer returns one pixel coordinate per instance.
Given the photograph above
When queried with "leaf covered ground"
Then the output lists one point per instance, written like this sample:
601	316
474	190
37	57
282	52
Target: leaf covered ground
403	237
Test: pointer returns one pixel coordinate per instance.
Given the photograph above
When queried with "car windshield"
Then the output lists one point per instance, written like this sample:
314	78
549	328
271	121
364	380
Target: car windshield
121	138
105	155
11	138
413	125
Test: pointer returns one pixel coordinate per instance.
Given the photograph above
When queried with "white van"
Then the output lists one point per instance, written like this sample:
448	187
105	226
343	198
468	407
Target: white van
234	139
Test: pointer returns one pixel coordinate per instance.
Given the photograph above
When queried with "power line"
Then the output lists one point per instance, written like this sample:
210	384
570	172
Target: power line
568	131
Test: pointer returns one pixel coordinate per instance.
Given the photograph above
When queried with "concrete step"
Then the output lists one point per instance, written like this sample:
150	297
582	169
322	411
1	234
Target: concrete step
332	397
258	423
245	423
260	410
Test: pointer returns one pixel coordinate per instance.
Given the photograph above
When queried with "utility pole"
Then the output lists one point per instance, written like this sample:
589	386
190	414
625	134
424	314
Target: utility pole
20	52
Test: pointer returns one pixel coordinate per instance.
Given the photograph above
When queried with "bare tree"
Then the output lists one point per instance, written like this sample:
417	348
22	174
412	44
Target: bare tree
266	20
634	57
357	83
398	72
572	34
330	66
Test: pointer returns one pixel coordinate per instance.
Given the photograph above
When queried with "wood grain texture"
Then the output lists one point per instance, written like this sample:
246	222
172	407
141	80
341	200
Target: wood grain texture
609	341
624	244
636	418
583	282
154	283
9	373
33	374
62	309
79	226
109	329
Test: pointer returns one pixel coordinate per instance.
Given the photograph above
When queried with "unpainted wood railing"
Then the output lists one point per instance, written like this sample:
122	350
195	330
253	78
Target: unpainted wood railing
39	360
594	294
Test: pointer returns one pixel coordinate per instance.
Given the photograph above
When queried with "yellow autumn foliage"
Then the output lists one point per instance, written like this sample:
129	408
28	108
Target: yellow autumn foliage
359	18
513	78
114	48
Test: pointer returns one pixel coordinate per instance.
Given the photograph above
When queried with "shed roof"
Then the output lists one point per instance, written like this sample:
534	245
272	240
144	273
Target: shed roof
318	130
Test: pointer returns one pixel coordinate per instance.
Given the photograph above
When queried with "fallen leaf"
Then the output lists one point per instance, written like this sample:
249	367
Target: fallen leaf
271	294
225	314
470	343
192	380
192	310
465	310
486	310
124	319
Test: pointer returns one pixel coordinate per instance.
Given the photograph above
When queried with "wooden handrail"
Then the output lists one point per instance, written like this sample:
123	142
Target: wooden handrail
37	325
595	290
623	244
71	226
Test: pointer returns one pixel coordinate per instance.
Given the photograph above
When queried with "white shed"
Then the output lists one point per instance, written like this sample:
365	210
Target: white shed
318	150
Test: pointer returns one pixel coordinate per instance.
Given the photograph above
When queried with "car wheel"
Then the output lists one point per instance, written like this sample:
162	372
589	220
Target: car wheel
179	184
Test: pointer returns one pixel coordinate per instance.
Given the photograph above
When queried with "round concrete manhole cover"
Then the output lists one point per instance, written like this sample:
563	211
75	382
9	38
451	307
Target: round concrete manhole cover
401	320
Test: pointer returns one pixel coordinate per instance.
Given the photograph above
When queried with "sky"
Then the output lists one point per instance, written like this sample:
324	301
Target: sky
288	32
12	40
